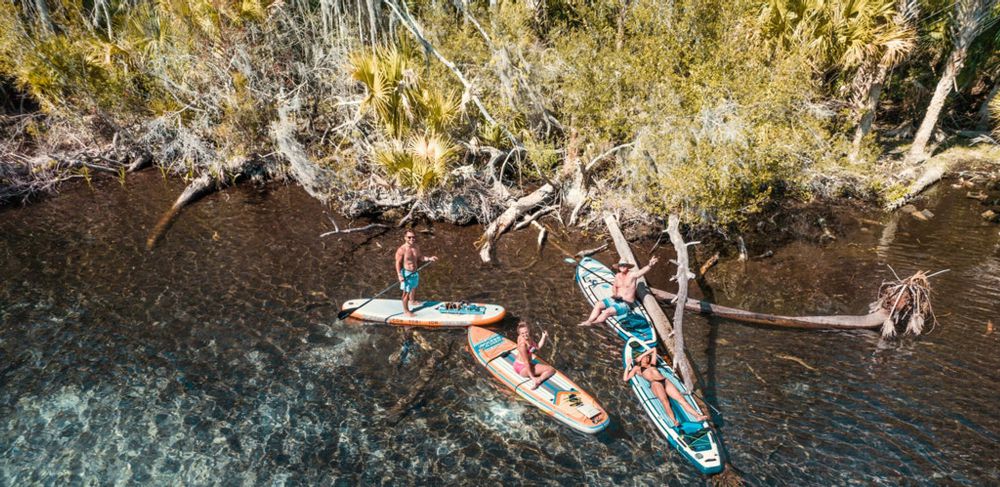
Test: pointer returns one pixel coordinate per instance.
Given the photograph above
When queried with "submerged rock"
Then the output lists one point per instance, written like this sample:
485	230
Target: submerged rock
923	215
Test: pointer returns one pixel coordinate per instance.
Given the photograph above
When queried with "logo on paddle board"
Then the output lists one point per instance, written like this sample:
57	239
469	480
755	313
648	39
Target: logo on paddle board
490	342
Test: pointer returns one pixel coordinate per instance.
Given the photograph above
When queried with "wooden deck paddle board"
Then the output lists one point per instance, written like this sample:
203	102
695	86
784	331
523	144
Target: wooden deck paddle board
558	397
429	313
594	279
701	448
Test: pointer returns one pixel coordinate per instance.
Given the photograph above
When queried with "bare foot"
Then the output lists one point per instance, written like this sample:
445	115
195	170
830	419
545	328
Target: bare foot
584	323
701	417
537	383
409	314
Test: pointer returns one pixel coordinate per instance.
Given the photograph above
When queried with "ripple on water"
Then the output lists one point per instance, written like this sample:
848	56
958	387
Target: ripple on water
220	360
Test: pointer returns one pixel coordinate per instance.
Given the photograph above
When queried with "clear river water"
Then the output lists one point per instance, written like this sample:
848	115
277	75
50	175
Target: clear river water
217	358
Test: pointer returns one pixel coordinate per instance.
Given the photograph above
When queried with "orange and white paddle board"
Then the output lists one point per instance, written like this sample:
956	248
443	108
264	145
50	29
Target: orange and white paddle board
558	396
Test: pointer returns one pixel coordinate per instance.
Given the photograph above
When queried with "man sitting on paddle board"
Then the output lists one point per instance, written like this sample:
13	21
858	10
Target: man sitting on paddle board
407	257
622	298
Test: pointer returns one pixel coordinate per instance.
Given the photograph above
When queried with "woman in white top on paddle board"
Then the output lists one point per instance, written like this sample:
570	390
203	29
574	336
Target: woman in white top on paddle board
622	299
525	348
408	256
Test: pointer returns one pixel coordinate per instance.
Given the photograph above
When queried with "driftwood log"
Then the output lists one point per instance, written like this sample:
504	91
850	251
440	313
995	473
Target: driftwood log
673	229
841	322
510	216
201	186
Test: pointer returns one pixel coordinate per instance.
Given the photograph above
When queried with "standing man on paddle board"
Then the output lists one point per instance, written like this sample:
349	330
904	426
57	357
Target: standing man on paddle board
622	299
408	256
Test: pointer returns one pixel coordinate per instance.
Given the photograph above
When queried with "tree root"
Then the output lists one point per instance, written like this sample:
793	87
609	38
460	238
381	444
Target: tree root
906	303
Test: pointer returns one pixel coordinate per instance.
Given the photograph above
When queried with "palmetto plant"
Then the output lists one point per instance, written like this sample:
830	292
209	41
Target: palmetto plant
391	89
843	34
862	39
419	164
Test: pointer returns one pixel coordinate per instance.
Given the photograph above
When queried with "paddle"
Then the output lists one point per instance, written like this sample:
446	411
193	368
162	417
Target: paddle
570	260
347	312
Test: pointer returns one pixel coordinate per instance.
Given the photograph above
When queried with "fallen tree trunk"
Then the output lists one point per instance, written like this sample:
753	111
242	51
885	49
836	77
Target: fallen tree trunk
201	186
682	289
836	322
507	219
934	170
664	329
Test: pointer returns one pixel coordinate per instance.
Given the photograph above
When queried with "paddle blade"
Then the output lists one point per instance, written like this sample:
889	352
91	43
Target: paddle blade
345	313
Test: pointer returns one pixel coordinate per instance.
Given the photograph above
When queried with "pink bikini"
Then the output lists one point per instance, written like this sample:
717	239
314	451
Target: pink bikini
518	366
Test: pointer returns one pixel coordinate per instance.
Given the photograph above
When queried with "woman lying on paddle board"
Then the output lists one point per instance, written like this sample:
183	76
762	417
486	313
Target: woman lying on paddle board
645	365
525	348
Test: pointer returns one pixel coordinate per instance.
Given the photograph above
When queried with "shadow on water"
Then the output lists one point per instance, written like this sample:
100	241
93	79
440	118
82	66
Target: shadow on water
218	355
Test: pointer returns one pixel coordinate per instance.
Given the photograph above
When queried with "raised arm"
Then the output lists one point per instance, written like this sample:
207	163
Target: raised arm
641	272
541	342
630	373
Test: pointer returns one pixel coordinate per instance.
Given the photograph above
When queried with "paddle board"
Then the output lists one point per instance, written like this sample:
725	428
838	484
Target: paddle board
558	396
594	279
701	447
428	313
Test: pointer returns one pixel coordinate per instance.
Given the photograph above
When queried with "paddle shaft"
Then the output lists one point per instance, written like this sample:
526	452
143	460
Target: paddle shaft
347	312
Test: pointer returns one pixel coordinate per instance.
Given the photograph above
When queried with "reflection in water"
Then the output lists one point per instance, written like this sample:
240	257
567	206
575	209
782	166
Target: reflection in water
217	356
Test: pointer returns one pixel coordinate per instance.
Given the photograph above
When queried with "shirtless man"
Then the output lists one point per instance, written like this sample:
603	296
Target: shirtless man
645	366
407	257
622	299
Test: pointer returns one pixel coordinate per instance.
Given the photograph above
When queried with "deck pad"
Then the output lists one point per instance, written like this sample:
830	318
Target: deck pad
428	313
558	396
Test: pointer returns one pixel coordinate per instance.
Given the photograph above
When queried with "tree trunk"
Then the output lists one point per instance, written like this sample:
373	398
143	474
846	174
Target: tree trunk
373	13
869	108
664	329
835	322
984	110
682	290
42	8
969	15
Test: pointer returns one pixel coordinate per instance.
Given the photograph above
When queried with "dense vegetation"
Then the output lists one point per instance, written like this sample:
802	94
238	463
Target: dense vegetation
708	109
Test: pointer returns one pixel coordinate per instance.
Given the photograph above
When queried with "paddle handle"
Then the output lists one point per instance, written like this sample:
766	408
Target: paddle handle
345	313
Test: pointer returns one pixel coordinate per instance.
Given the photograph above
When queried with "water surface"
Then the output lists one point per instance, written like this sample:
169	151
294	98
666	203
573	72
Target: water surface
217	357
